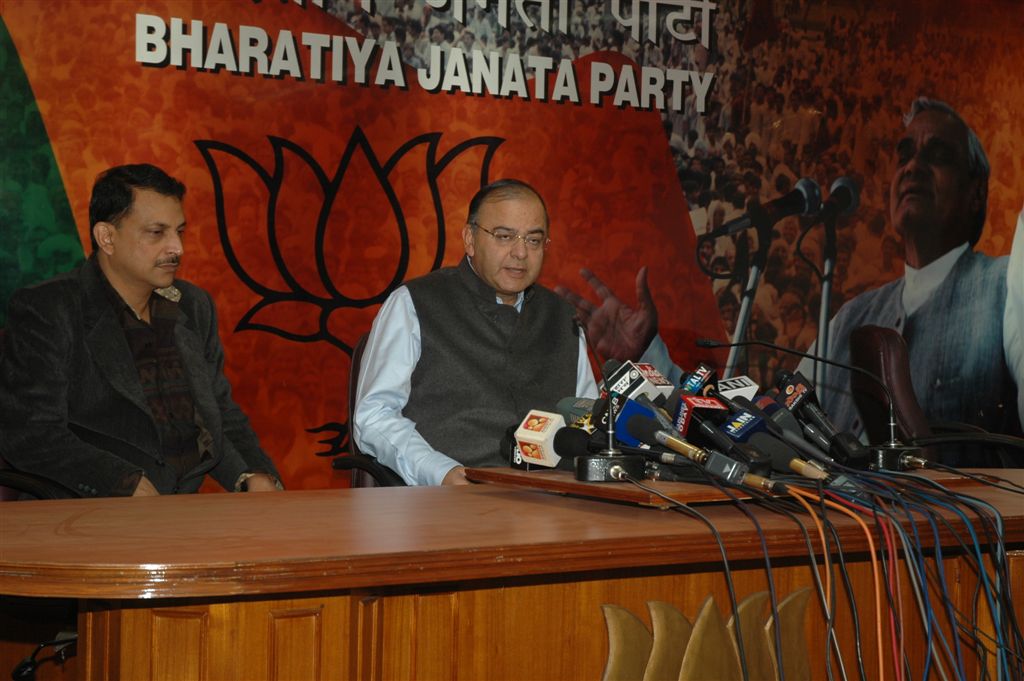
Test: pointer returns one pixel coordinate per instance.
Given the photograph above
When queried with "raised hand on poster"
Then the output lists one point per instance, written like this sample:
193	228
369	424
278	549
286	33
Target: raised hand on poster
615	329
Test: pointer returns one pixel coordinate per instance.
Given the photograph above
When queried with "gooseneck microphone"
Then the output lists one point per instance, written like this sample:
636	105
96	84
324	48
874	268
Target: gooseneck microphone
891	454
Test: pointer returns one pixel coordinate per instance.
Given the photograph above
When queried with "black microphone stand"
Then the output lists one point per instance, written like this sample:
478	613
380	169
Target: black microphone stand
763	226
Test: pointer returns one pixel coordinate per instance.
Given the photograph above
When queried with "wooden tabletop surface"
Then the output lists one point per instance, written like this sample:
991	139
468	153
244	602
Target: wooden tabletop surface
233	544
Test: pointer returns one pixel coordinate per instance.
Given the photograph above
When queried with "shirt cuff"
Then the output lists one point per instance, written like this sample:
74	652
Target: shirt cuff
241	485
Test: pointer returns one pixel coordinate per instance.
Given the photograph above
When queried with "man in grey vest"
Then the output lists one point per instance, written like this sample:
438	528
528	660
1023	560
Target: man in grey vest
457	356
953	305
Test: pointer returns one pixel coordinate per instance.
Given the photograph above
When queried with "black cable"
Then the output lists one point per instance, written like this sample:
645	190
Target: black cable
984	478
782	506
921	568
687	510
850	594
26	669
917	551
970	438
772	595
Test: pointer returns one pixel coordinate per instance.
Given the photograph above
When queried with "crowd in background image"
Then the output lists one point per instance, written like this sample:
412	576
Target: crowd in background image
818	92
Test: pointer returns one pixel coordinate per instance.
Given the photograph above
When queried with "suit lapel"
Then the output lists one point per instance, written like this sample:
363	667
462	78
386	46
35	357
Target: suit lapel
193	359
107	345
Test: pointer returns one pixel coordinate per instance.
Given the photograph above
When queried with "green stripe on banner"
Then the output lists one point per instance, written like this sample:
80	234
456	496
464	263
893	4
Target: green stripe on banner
38	237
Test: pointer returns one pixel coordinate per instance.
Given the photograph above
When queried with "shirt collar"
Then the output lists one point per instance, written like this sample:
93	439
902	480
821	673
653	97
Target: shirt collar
920	284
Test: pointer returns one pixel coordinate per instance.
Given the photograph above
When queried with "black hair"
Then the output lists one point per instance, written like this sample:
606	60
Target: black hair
500	190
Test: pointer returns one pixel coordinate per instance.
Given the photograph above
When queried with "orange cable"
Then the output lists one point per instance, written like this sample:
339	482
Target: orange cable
874	573
824	551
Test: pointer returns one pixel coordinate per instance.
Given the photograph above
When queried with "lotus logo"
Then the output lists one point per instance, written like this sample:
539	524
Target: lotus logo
307	295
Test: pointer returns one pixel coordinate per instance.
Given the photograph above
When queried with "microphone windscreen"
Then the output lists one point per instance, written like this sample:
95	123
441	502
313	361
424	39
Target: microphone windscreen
643	428
571	442
780	453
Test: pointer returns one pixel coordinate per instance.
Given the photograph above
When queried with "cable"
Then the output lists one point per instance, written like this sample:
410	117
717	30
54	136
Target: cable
683	508
779	506
874	574
984	478
772	595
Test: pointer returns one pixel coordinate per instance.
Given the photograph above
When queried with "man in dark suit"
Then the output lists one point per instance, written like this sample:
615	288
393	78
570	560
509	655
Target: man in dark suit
112	381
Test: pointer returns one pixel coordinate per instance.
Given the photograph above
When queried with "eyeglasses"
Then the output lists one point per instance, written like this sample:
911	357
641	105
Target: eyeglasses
506	237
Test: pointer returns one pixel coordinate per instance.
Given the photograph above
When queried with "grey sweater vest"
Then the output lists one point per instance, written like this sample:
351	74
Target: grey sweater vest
483	365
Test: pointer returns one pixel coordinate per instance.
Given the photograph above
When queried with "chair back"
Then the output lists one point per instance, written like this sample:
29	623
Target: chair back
883	352
365	470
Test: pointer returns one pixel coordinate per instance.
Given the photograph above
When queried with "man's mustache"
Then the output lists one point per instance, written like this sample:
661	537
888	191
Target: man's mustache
172	260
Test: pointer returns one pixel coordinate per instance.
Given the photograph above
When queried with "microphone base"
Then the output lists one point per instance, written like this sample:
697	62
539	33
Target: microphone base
896	458
609	468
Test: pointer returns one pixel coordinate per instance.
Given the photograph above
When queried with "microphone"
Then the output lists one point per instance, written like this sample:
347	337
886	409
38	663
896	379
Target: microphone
843	199
783	425
737	386
748	426
622	408
794	432
577	411
630	379
805	199
798	396
700	380
891	454
535	438
732	471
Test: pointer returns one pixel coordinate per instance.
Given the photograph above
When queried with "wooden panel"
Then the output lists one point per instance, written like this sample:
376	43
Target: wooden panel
303	638
536	630
179	643
296	642
367	645
99	641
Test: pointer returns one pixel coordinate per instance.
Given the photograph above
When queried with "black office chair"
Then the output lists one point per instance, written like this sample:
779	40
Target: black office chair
366	470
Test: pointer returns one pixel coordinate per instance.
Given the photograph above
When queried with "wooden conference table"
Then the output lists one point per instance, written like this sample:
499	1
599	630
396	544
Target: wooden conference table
482	582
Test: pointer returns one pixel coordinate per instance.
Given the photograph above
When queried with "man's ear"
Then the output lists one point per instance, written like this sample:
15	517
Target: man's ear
103	232
468	239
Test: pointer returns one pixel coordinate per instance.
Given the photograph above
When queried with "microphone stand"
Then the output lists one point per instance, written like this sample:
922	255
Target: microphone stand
828	270
763	225
891	455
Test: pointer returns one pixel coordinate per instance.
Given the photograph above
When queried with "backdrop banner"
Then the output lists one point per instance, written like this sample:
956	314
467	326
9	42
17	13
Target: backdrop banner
330	149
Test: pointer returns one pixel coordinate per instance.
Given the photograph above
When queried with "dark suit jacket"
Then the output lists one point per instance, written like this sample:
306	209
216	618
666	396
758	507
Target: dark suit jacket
71	404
